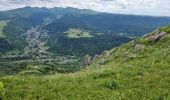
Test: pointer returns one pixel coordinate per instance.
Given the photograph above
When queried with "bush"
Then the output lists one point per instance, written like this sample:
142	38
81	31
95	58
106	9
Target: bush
1	89
112	84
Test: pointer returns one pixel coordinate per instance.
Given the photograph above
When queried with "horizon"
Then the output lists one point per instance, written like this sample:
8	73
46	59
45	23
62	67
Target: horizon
134	7
89	10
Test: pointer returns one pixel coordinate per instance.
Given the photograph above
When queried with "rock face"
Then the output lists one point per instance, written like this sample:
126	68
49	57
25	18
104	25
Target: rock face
99	60
127	56
102	61
87	60
156	37
138	47
95	58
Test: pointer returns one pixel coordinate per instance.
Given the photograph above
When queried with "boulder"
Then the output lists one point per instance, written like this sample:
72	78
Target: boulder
138	47
156	37
102	61
87	60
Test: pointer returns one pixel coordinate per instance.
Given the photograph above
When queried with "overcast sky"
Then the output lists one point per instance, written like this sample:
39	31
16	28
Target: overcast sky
139	7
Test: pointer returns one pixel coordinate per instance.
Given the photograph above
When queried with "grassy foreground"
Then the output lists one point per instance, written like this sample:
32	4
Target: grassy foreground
120	83
140	72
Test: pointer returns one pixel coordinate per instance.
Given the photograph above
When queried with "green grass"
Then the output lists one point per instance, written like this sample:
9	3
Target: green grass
144	75
119	82
1	89
2	25
77	33
166	29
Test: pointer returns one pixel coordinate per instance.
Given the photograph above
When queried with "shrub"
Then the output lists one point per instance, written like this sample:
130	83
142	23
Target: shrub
112	84
1	89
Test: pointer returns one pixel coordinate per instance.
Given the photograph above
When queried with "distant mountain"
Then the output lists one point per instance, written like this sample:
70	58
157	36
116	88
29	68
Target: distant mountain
107	30
113	23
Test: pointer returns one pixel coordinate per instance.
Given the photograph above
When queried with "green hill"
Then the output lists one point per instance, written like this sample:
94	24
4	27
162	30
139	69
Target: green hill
138	70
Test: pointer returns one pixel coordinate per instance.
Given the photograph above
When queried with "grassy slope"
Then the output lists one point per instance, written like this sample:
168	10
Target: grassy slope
2	25
126	75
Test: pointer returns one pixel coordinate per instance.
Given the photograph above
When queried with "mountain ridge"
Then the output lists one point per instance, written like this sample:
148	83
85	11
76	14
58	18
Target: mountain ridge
83	9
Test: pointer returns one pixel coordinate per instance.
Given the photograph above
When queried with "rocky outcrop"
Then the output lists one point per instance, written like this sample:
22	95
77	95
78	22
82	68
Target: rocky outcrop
138	47
102	61
95	58
127	56
156	37
87	60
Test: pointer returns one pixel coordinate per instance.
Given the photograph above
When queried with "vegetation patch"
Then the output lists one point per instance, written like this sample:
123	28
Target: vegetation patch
30	72
111	84
104	74
166	29
2	92
78	33
2	25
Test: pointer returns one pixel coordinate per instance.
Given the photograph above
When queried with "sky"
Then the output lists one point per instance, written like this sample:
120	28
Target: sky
137	7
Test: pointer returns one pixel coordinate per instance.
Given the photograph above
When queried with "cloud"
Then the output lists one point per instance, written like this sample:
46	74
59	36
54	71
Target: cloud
142	7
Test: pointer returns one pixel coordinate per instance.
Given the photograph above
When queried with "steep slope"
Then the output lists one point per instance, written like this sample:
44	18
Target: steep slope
139	70
153	47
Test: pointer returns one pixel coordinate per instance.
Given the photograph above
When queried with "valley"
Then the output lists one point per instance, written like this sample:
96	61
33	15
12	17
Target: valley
136	70
80	54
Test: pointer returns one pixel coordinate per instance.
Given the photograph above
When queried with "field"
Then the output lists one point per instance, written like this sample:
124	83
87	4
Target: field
2	25
77	33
